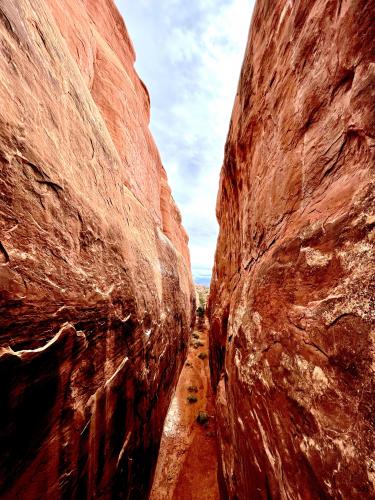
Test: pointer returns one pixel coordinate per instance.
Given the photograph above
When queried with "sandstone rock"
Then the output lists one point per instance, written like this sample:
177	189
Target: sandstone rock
292	295
96	296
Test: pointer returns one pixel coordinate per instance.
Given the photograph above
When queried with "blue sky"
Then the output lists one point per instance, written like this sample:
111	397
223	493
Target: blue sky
189	55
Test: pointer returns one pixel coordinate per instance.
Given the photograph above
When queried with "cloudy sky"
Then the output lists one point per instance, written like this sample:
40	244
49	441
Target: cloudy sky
189	55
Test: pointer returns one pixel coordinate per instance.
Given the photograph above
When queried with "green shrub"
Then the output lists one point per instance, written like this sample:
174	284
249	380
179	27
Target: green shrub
202	355
192	399
195	336
197	344
200	311
202	418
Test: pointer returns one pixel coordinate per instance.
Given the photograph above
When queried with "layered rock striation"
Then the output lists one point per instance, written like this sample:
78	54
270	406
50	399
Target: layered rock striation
96	297
292	295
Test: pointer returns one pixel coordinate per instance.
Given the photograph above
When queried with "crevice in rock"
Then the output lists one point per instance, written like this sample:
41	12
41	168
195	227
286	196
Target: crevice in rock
188	456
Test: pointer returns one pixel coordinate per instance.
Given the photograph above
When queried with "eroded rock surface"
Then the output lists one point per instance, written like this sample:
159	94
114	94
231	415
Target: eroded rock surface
292	295
96	297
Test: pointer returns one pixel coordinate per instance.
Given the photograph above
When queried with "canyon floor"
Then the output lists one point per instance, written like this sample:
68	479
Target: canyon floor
187	464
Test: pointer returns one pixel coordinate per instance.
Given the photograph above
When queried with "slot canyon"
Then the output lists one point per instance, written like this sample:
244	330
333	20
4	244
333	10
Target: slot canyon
119	377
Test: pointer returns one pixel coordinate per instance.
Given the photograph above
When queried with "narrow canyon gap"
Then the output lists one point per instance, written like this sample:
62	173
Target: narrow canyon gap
96	295
188	457
292	295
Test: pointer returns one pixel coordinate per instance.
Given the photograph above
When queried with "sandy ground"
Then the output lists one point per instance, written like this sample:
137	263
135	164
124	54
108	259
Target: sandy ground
187	464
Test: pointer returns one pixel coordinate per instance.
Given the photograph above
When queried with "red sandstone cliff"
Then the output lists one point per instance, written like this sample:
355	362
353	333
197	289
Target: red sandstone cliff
95	285
292	295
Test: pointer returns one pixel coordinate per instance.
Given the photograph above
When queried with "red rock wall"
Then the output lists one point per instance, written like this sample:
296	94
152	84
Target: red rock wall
96	298
292	297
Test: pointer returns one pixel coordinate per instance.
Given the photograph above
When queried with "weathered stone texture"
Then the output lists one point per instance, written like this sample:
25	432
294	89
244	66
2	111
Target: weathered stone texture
292	296
96	297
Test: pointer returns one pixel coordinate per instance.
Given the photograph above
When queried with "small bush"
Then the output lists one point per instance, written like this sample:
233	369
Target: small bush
200	311
195	336
192	399
202	418
202	355
198	344
188	363
192	388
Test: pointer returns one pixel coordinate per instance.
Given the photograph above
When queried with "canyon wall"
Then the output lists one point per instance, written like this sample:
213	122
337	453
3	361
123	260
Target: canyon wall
96	297
292	296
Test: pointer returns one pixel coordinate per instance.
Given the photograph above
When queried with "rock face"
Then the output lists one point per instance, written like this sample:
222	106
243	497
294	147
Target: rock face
292	296
96	297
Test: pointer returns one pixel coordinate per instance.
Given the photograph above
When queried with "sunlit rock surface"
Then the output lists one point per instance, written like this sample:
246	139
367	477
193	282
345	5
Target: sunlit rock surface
96	296
292	295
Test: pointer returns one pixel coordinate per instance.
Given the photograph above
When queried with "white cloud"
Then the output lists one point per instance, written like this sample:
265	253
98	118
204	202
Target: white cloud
189	55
